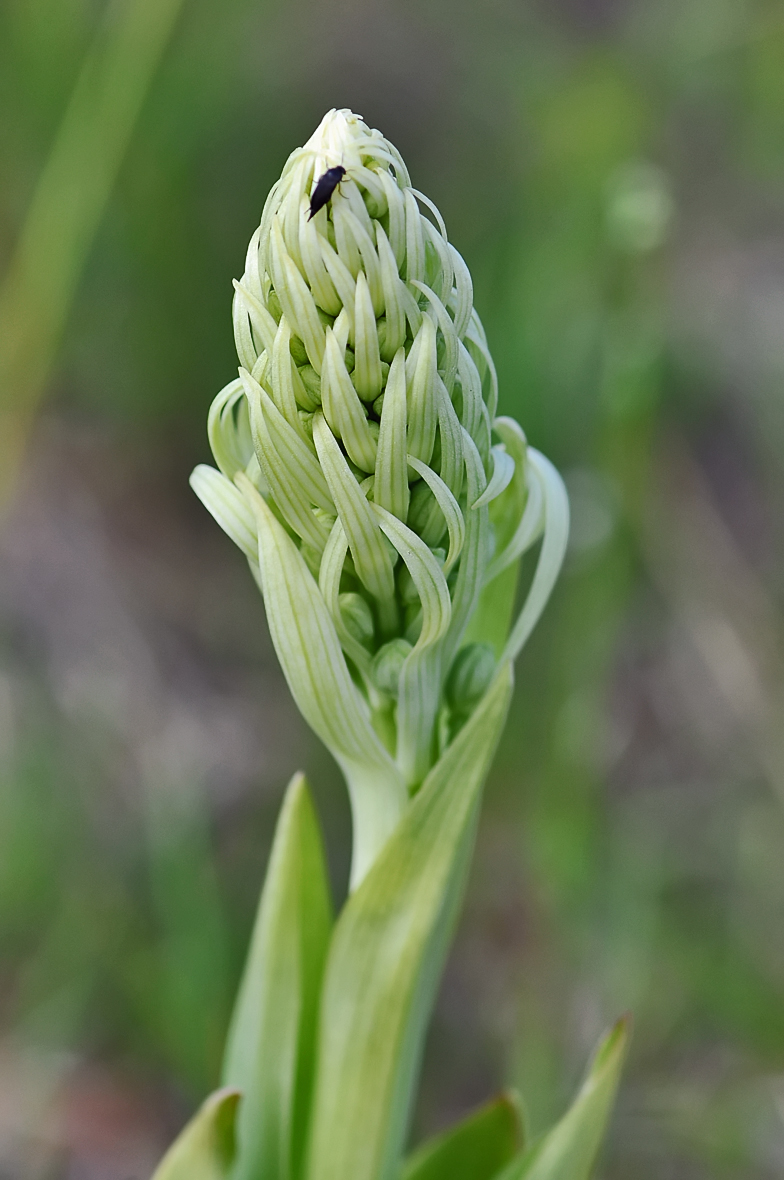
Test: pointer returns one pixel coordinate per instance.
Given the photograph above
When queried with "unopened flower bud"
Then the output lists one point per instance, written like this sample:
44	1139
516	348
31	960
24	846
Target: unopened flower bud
388	664
470	676
358	617
360	450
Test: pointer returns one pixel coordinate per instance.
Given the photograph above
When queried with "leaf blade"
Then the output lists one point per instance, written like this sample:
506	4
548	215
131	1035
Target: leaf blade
475	1149
386	954
269	1049
206	1147
569	1150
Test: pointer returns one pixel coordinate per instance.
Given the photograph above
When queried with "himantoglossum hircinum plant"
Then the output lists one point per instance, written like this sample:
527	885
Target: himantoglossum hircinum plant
383	507
365	473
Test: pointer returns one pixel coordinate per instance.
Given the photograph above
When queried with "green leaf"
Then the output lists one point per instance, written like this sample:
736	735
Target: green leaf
475	1148
205	1149
569	1150
270	1049
386	955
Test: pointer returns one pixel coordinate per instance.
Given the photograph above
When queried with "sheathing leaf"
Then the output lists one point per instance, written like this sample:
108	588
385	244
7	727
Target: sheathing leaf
385	959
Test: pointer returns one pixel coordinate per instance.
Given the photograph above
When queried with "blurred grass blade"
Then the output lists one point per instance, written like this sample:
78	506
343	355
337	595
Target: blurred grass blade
205	1149
67	206
476	1148
271	1044
569	1150
190	1001
386	955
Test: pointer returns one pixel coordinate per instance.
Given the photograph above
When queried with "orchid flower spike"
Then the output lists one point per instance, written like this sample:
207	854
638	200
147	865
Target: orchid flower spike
364	472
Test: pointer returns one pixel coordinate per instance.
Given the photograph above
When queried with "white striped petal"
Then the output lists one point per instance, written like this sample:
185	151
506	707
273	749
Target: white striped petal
371	557
229	507
503	474
449	506
556	535
391	483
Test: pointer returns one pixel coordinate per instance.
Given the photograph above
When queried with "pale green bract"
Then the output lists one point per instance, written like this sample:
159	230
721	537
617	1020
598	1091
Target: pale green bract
363	470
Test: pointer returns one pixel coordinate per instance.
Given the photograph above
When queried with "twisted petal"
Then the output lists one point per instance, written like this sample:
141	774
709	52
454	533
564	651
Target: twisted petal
391	483
295	479
367	371
330	571
556	535
229	507
449	506
295	298
261	320
343	409
229	434
421	372
368	548
392	287
473	560
419	684
503	473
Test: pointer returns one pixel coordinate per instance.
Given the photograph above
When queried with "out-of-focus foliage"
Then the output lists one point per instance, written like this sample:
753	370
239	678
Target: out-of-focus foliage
613	172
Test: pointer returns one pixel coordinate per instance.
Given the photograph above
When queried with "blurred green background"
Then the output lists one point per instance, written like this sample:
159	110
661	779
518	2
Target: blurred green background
613	172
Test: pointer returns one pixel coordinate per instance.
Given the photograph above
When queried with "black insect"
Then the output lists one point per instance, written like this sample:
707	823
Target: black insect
325	188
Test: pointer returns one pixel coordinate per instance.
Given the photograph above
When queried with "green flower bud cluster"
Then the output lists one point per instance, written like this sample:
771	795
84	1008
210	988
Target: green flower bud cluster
363	470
